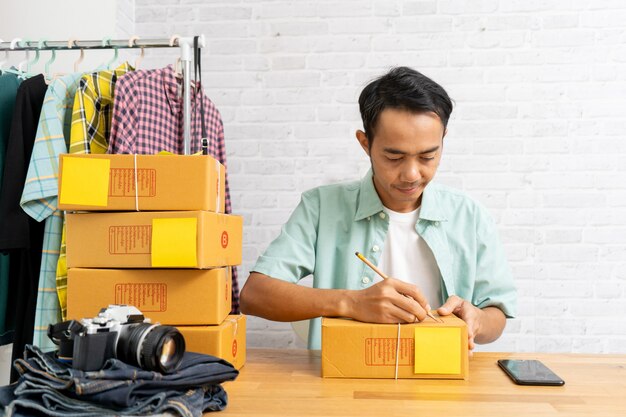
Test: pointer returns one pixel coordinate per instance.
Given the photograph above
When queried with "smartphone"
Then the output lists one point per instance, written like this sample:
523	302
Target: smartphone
529	372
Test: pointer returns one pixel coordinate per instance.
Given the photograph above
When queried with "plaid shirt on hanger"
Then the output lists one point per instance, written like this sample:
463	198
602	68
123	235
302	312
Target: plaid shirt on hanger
148	119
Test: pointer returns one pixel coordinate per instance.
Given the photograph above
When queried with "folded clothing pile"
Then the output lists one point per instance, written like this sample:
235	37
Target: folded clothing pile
47	387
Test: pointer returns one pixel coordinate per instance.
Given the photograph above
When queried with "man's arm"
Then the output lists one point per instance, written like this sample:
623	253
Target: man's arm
278	300
483	325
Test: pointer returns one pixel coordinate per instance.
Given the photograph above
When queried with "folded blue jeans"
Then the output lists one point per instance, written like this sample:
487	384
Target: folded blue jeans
48	387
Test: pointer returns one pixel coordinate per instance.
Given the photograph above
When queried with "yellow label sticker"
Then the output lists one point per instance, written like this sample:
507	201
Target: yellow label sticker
174	242
85	181
437	350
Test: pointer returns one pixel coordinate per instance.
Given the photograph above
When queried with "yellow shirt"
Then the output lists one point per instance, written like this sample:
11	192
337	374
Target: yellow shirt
91	124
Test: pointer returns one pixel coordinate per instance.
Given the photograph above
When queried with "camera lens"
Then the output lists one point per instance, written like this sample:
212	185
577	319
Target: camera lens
152	347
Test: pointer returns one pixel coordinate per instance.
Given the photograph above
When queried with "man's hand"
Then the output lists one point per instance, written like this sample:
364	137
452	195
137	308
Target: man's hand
389	301
483	325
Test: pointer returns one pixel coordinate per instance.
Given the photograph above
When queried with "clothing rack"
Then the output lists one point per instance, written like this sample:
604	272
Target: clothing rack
184	43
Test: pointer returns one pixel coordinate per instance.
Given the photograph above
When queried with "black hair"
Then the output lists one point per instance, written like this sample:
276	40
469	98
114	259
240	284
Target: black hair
406	89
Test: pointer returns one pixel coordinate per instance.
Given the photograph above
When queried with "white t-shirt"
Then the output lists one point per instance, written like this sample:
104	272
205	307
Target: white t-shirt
408	258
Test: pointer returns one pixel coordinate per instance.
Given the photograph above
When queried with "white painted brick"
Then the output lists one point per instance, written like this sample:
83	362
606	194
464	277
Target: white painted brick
419	24
465	7
288	62
574	199
360	25
256	63
332	61
345	8
221	13
560	21
299	28
563	236
181	14
495	182
410	8
566	253
291	79
477	163
231	46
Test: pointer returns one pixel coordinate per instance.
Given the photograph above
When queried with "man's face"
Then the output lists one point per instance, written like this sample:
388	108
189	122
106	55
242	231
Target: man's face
405	156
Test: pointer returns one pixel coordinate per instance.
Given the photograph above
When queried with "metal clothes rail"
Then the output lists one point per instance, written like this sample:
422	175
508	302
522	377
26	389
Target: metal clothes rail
184	43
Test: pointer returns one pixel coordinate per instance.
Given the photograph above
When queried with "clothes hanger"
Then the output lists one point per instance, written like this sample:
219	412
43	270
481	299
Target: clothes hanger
72	43
178	68
107	42
15	43
53	57
133	42
34	61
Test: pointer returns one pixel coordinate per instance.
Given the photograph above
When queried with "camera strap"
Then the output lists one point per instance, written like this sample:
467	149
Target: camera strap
197	70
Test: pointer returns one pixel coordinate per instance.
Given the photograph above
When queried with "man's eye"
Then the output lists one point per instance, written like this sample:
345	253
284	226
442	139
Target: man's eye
428	158
394	159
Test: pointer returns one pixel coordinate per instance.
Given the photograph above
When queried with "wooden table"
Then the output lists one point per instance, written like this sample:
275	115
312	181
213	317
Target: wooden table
288	383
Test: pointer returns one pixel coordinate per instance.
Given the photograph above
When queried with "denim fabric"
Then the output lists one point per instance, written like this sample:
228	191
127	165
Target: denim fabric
50	388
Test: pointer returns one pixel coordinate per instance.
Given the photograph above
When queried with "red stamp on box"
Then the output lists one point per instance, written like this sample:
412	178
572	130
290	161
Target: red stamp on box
224	239
234	348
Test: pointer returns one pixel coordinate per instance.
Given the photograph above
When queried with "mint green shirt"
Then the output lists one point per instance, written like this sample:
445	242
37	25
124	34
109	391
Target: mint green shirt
334	221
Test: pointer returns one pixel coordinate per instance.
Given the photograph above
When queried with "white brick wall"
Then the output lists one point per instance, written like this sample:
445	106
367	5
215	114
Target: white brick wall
537	134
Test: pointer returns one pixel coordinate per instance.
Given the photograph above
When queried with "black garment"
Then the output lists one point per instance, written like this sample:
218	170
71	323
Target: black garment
20	235
9	83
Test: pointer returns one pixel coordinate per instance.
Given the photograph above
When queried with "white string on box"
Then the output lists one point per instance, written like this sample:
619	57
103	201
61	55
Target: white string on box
397	351
136	184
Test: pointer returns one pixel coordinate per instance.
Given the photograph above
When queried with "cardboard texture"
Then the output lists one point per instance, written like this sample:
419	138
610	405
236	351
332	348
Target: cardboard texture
127	240
226	341
167	296
141	182
352	349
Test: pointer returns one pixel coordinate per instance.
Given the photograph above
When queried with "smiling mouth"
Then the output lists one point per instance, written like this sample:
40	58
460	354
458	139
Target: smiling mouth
409	190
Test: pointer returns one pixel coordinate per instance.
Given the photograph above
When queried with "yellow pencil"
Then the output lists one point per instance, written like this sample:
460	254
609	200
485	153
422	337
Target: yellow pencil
384	276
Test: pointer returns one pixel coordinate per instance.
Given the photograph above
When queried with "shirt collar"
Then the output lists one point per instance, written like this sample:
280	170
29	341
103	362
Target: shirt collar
171	84
432	209
369	202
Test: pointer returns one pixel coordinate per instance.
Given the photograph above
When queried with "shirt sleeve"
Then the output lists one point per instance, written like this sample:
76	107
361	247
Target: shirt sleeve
124	121
39	197
291	256
494	285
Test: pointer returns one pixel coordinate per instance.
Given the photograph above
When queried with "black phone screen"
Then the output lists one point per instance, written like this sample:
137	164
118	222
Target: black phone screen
529	372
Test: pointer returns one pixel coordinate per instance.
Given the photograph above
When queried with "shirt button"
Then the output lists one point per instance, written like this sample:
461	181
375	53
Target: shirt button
375	248
369	218
382	215
436	223
365	280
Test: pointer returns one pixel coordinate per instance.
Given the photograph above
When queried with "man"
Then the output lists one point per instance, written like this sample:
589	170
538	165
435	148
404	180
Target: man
441	247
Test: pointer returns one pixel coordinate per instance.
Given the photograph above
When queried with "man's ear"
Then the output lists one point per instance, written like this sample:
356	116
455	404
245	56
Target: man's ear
362	138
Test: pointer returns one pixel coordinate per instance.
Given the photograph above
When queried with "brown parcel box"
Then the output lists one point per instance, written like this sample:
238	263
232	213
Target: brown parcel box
226	341
126	239
164	182
352	349
166	296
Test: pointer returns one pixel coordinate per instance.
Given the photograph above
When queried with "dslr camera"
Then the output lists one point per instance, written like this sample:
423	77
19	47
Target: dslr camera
122	332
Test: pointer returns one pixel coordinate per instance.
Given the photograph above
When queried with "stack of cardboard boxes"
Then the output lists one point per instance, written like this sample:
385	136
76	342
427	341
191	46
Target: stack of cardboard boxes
154	236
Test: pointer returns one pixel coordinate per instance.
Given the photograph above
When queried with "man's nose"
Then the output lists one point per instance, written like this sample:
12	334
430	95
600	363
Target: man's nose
410	172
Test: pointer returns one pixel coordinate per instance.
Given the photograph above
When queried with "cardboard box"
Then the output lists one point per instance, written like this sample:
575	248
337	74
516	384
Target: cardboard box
226	341
163	239
352	349
166	296
141	182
